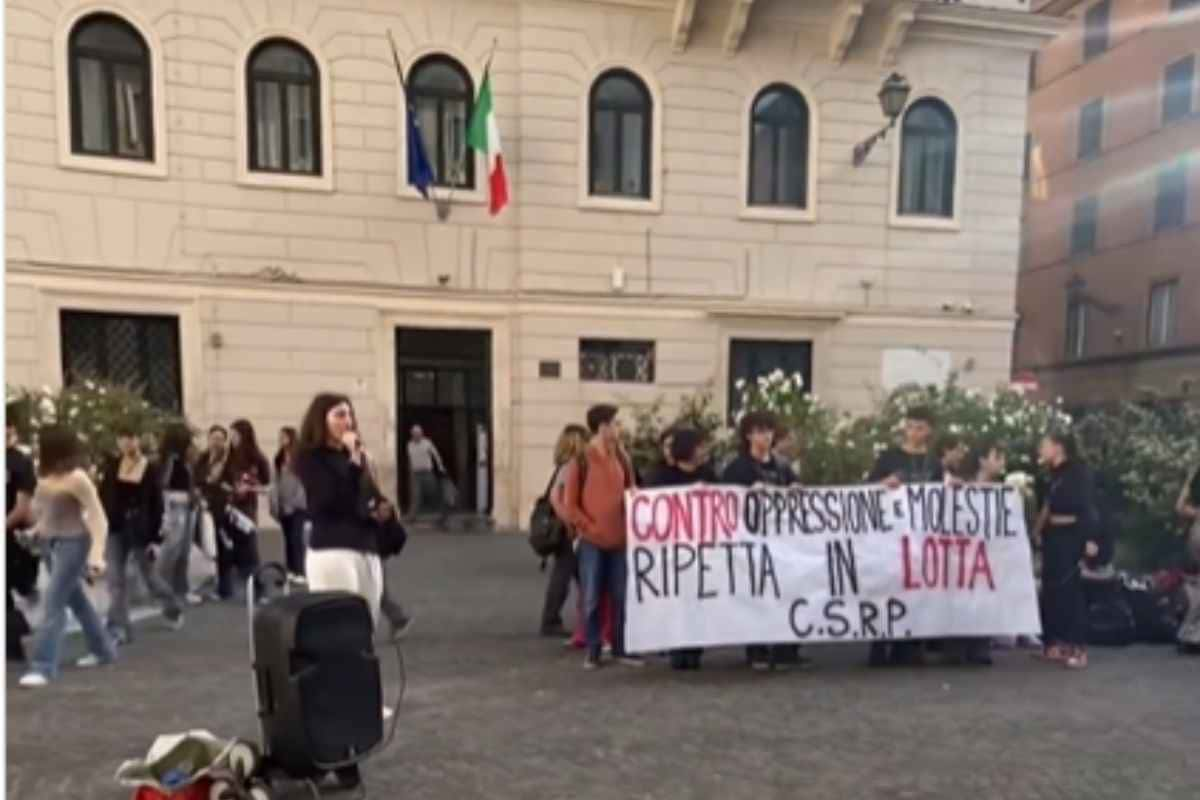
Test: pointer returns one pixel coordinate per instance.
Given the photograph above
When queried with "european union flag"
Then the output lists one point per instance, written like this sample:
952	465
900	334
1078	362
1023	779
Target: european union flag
420	174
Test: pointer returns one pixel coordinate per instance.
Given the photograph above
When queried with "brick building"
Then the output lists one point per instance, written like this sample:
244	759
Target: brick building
1110	279
212	197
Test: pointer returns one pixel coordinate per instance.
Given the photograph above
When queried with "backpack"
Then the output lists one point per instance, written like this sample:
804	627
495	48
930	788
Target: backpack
546	531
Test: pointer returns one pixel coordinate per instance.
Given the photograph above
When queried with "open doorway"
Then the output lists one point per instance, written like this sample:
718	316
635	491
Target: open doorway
444	384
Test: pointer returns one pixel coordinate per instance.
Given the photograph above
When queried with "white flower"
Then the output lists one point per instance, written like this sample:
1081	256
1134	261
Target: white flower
102	390
740	384
90	385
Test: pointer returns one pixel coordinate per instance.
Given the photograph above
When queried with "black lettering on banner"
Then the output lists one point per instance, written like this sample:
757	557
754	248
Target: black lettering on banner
936	510
729	565
680	565
834	519
847	567
895	612
779	506
1009	533
801	633
752	512
768	573
868	612
916	502
833	613
643	563
703	550
882	522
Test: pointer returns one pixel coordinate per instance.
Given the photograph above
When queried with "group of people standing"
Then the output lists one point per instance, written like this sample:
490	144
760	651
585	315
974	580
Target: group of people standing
88	522
593	470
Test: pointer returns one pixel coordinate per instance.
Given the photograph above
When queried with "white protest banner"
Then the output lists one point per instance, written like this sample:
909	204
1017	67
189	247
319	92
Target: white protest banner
725	565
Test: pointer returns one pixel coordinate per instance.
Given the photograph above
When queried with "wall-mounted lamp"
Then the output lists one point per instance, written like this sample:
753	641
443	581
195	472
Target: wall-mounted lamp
893	96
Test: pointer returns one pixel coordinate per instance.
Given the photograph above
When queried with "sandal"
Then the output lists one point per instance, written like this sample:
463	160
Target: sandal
1052	653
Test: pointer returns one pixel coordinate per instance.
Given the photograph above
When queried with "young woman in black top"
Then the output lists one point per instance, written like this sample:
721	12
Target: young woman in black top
181	508
756	464
1066	525
251	475
132	499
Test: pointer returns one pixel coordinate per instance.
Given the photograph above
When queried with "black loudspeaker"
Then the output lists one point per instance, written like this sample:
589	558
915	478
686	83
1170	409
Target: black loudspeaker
320	692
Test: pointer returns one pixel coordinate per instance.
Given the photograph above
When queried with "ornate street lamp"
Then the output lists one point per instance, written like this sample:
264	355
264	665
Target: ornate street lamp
893	96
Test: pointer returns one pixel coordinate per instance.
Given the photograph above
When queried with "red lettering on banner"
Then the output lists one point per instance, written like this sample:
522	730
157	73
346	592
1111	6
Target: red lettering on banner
640	533
908	580
929	561
982	565
681	518
937	555
962	561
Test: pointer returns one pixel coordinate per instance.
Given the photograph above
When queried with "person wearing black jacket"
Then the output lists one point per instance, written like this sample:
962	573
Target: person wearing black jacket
214	479
1068	522
343	549
756	464
687	466
910	462
346	515
20	565
133	503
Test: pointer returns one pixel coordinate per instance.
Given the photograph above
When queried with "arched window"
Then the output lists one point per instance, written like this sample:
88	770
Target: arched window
928	153
109	78
620	111
779	148
283	90
443	95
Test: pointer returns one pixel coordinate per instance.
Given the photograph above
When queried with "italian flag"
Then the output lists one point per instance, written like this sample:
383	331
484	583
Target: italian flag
483	135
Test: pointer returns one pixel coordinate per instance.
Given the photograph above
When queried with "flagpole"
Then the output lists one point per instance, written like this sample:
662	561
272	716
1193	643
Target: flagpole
408	106
487	67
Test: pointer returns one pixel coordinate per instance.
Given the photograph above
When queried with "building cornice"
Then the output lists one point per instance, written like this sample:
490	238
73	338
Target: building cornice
107	281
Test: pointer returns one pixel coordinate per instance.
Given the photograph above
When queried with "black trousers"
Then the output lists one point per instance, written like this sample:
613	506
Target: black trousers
237	559
558	585
1064	606
293	541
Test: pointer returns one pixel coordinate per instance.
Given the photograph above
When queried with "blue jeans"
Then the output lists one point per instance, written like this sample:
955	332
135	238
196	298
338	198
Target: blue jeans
67	561
600	570
180	518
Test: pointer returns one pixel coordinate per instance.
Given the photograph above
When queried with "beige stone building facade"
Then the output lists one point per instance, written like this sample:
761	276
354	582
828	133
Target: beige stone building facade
213	196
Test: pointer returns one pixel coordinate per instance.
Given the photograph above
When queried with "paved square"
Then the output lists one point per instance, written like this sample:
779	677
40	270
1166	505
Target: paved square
494	711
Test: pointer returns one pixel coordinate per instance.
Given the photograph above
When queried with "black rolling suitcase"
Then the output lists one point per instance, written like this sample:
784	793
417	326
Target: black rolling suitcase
318	685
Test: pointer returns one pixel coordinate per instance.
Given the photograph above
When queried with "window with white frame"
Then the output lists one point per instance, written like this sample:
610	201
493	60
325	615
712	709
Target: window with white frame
928	159
1076	328
284	109
779	132
110	86
620	116
443	96
1178	86
1160	320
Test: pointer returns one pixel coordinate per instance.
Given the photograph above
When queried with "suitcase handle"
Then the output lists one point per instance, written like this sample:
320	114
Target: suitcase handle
266	700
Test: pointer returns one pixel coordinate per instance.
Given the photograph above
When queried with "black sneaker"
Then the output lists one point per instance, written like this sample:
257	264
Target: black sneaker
555	630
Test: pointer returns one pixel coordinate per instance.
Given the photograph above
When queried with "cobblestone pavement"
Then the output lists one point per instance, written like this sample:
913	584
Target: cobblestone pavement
494	711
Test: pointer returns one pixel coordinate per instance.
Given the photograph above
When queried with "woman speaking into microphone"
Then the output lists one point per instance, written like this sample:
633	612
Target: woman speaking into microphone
343	552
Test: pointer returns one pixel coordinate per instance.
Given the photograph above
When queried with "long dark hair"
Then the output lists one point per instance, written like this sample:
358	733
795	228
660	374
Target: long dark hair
313	431
285	449
247	453
59	450
176	440
1066	441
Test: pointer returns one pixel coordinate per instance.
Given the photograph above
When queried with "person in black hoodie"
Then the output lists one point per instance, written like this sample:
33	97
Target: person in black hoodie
133	502
687	466
909	462
1069	520
757	464
20	565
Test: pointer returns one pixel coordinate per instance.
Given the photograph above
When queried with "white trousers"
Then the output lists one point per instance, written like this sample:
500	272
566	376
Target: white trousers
347	571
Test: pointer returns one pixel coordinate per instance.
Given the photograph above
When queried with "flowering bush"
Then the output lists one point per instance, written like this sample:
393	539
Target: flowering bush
95	410
1141	454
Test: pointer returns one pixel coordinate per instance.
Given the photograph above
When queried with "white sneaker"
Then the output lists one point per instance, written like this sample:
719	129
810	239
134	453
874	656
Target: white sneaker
33	680
88	661
194	599
387	713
